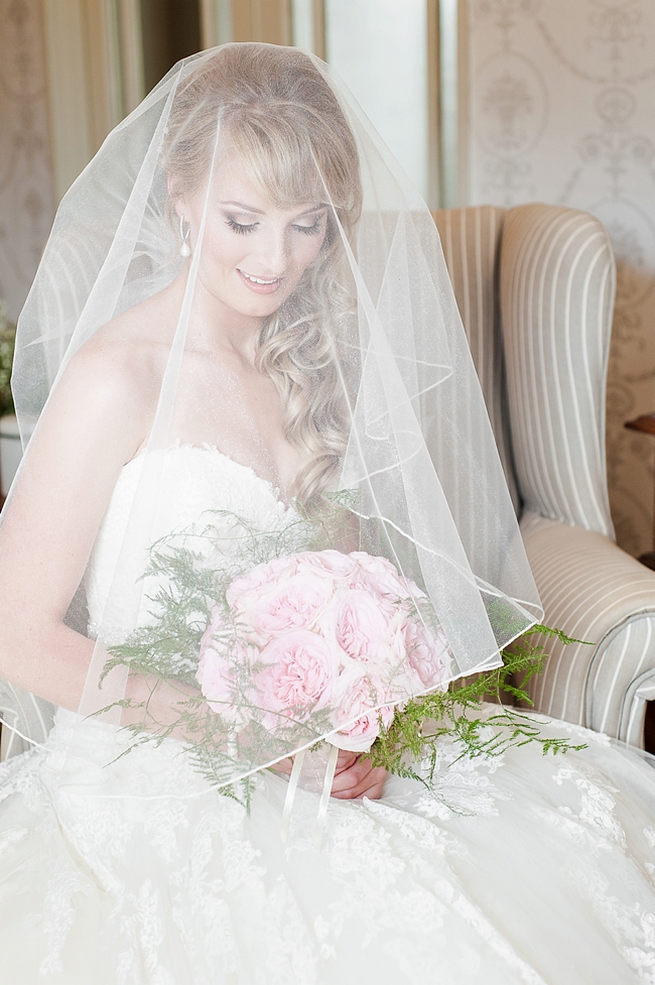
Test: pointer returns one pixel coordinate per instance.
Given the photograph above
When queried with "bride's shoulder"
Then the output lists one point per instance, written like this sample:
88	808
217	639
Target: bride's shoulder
128	354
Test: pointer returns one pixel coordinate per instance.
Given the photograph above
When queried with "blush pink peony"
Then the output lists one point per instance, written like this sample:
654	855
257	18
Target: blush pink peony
427	653
263	574
379	575
296	676
354	710
294	601
360	626
332	564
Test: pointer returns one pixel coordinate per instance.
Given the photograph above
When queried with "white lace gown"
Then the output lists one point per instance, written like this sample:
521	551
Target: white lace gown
133	871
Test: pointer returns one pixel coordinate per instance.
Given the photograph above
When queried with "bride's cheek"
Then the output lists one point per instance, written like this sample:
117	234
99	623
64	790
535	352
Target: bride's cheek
312	251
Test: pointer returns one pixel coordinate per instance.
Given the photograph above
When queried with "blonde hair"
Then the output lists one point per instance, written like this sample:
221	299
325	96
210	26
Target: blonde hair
284	121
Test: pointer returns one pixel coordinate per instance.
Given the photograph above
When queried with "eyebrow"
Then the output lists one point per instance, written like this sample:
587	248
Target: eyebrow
250	208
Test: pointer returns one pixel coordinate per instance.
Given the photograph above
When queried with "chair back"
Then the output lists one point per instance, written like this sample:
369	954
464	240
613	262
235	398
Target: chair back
535	286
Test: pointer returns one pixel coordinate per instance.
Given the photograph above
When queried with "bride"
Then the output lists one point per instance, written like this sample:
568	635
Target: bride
239	346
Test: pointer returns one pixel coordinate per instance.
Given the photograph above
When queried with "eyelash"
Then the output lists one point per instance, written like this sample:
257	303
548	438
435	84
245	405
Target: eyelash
310	230
239	227
243	228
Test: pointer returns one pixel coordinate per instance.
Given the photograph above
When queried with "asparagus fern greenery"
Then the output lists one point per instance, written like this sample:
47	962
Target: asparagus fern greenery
457	713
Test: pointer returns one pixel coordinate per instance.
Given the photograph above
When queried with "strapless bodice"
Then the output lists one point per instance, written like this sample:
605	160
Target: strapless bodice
176	490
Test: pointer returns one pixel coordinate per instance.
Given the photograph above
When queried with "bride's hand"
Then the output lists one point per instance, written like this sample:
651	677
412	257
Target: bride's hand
355	777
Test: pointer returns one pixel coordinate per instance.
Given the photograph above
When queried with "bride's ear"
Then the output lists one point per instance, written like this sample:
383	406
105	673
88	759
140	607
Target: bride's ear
174	186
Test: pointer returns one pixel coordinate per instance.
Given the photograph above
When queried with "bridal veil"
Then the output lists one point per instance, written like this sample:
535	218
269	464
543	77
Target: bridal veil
367	352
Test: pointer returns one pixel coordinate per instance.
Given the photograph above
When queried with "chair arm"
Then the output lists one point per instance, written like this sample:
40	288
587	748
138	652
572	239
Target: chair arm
594	591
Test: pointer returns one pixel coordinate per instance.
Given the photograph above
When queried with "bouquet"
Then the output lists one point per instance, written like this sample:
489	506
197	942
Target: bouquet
336	636
269	649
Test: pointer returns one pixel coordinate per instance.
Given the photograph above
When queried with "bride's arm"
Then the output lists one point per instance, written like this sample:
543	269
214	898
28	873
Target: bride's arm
93	424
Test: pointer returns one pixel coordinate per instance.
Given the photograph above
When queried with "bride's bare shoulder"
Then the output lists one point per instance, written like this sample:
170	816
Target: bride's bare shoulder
115	376
129	353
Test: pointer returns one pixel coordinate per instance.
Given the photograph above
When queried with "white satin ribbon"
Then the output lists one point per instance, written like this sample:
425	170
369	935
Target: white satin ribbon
330	769
296	770
328	779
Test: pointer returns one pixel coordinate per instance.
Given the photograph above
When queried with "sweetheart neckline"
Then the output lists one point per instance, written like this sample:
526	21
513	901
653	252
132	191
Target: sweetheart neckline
207	448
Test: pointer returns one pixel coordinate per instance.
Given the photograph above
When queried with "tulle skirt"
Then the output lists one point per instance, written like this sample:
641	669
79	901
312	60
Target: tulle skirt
132	870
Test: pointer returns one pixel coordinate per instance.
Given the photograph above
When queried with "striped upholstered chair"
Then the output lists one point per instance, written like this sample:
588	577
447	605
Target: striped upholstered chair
535	285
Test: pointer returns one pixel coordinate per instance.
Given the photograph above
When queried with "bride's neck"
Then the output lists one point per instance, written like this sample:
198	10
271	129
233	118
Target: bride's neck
216	327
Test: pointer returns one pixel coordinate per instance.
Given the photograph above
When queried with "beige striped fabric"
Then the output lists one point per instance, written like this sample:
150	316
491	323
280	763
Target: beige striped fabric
597	593
557	282
470	238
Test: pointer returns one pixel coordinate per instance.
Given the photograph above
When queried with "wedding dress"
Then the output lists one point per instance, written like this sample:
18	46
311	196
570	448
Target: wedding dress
133	870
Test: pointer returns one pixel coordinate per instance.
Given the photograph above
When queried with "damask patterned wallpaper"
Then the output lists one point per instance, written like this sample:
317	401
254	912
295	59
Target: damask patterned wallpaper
26	200
562	109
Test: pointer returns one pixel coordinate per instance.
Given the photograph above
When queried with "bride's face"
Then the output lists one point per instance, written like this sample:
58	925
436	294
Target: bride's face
253	252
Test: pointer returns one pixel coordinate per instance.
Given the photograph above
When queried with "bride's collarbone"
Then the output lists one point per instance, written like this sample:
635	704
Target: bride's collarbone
242	408
221	401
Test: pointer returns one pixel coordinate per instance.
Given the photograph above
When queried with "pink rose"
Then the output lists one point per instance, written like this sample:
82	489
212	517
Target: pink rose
292	602
356	710
261	575
412	592
360	626
298	677
379	575
427	653
336	565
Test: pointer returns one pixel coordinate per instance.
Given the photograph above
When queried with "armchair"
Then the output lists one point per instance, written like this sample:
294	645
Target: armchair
535	285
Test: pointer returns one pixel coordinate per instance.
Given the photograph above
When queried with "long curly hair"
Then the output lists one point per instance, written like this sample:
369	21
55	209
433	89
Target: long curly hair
280	114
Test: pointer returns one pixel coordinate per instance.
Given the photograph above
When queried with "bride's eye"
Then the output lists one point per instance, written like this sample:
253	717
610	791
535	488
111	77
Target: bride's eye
240	227
316	226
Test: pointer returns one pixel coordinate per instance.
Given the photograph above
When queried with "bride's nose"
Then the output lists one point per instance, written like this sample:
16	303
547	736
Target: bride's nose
273	251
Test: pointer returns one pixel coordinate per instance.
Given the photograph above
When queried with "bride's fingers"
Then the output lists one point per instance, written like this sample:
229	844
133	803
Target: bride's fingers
349	777
372	787
359	780
353	778
345	760
283	766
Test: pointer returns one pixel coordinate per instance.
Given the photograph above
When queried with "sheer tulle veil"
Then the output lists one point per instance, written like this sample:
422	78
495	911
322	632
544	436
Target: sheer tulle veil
365	347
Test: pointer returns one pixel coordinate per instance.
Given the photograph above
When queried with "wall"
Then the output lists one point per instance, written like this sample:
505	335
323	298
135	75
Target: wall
26	201
561	109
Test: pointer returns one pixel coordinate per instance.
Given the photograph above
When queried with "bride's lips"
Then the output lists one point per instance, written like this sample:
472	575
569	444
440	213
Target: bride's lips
260	285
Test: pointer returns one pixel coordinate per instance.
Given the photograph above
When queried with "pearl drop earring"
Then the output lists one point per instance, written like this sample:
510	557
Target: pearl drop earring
185	232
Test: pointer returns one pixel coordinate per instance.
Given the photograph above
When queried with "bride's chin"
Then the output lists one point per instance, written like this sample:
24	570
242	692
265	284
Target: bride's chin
262	306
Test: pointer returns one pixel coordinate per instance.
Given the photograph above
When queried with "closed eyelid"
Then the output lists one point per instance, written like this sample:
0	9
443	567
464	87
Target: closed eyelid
243	218
310	220
244	221
318	213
